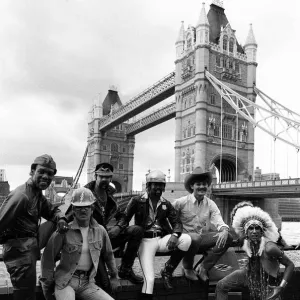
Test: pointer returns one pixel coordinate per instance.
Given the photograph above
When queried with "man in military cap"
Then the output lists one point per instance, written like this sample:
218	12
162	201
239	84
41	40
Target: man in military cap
23	237
105	209
80	249
163	229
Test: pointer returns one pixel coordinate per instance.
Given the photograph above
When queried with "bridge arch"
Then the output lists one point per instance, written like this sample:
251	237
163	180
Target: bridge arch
227	165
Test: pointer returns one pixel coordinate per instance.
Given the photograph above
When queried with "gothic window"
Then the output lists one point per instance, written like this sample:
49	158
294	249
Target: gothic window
193	133
217	131
225	41
222	64
114	147
237	67
124	149
231	43
189	132
190	102
189	42
227	131
188	169
218	61
104	147
184	136
206	36
230	64
121	166
213	98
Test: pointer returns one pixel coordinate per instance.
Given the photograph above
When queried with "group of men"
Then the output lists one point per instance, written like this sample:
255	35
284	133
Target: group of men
78	258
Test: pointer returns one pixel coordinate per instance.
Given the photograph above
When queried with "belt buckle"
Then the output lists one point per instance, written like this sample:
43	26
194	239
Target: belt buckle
155	234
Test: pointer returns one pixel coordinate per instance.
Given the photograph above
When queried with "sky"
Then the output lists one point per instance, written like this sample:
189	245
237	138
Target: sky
57	56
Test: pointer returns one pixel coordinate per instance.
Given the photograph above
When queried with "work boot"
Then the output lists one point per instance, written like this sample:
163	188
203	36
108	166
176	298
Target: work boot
169	268
127	273
190	274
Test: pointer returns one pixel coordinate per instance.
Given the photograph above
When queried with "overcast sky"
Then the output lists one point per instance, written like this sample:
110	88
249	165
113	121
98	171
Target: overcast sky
56	56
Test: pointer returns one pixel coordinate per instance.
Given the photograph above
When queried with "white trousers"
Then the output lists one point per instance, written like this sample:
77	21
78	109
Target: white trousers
147	251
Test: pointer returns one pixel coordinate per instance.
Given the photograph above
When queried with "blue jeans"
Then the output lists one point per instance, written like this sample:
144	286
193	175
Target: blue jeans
236	279
80	287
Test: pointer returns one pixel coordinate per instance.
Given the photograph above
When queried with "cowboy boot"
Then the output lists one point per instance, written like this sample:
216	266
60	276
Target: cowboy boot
170	266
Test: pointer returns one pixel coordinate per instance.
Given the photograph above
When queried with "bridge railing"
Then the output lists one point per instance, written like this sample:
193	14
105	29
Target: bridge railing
264	183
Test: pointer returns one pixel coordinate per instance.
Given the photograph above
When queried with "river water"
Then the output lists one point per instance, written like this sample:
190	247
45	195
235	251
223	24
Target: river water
291	232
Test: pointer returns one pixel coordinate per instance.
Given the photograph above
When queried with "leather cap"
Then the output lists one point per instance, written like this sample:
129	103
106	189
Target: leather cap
197	175
45	160
104	169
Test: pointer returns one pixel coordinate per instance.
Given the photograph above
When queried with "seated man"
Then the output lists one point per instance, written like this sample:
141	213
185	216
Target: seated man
105	209
80	250
196	211
162	229
259	234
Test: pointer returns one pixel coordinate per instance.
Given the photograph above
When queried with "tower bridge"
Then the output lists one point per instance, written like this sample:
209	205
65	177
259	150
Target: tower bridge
216	109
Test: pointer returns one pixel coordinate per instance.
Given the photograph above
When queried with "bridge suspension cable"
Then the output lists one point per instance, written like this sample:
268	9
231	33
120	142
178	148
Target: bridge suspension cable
79	171
286	122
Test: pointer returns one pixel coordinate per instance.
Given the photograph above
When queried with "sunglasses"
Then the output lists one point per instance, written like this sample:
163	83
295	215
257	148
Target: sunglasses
82	207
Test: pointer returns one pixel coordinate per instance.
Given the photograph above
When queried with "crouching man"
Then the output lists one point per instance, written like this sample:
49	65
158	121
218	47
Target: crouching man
259	235
80	250
162	229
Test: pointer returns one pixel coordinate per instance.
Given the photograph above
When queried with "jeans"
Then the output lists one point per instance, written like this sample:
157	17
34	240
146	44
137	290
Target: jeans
81	287
236	279
203	242
147	252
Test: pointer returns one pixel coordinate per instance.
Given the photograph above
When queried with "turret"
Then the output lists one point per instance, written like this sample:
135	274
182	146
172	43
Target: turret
202	28
250	46
180	42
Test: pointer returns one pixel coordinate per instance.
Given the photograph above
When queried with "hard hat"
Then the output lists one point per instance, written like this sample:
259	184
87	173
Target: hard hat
156	176
82	197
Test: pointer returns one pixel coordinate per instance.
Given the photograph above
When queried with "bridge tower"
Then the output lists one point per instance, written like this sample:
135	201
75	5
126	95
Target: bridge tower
113	146
208	131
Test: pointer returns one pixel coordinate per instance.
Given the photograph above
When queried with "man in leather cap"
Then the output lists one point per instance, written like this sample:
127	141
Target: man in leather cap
196	212
259	236
23	237
162	229
105	209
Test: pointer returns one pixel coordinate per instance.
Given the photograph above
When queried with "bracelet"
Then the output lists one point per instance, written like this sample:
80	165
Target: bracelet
283	283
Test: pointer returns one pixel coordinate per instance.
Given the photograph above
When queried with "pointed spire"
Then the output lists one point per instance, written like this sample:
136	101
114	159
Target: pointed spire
250	38
181	33
203	17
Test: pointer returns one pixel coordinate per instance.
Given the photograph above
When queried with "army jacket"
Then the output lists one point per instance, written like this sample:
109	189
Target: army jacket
23	208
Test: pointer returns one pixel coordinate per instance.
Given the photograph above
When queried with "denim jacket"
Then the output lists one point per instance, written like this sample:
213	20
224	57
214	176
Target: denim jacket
70	247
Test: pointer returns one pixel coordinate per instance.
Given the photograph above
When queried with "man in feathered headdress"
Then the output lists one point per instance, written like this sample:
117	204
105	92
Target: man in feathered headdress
259	234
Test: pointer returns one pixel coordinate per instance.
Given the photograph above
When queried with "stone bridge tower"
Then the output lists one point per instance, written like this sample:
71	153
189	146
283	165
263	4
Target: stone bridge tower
113	146
208	131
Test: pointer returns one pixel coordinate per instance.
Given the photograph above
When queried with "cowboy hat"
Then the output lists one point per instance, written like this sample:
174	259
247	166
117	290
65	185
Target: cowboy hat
197	175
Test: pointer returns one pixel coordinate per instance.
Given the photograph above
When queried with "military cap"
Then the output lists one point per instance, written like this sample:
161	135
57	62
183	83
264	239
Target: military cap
104	169
45	160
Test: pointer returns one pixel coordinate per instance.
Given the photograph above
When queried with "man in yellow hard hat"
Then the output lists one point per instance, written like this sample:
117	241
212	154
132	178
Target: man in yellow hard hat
21	234
80	249
163	229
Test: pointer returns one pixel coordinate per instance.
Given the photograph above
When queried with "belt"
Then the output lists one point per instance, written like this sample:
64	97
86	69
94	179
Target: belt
152	234
81	273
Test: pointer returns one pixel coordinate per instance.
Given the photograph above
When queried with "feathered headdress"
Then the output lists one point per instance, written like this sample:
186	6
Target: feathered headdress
246	216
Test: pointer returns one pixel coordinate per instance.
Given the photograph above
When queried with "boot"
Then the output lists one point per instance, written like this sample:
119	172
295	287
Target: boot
202	272
126	272
145	296
170	266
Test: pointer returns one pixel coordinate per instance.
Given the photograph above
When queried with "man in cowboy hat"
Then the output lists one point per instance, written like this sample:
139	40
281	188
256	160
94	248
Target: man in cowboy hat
259	235
22	236
163	229
105	209
196	212
80	249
